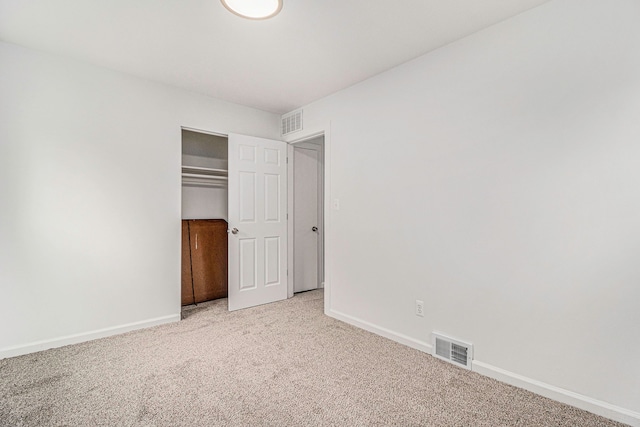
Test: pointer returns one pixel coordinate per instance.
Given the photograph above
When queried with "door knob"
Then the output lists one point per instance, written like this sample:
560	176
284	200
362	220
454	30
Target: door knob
314	228
234	231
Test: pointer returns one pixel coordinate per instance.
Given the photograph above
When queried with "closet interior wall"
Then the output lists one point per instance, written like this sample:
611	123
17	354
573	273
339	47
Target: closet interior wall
204	217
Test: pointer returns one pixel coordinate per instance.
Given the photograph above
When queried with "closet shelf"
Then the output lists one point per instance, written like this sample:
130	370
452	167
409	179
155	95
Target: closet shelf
195	175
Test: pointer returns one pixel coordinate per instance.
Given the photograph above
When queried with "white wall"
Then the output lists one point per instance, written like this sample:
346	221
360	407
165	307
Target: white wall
90	196
497	179
205	202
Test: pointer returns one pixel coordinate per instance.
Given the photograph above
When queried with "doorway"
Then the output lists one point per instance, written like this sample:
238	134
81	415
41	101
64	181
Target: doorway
204	217
306	169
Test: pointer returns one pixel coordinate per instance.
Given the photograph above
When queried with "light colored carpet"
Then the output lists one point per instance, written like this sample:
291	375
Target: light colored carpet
283	364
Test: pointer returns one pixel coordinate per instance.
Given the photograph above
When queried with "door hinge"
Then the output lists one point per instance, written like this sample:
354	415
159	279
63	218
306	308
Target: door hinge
287	160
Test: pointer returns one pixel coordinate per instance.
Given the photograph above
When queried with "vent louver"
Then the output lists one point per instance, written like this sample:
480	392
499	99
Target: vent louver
457	352
292	122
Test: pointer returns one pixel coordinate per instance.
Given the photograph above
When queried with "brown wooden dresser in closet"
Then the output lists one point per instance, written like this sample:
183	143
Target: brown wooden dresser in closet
204	260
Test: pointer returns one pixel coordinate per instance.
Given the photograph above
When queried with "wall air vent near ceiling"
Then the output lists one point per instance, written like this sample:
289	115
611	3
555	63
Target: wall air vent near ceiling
457	352
292	122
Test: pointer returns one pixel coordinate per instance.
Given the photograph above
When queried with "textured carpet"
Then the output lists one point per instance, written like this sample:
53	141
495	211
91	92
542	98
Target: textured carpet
283	364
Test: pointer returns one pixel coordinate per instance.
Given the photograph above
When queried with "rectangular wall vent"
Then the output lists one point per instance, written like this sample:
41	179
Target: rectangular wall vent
292	122
457	352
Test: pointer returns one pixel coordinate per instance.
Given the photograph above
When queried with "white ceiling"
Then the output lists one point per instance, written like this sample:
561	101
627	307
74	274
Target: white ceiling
311	49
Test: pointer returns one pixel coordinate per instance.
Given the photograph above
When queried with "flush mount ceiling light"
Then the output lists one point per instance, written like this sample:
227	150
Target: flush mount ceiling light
254	9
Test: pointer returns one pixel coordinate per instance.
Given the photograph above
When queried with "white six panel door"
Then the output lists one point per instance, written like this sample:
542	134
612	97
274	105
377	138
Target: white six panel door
257	221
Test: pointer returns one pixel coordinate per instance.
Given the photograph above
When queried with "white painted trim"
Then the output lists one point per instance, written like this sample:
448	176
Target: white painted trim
559	394
208	132
291	267
290	212
290	264
387	333
84	336
328	219
328	240
307	137
318	147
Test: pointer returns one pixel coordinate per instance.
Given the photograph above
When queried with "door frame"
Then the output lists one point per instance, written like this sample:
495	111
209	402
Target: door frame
291	211
302	136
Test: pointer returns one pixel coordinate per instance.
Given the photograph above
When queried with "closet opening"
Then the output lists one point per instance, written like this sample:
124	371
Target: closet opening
204	217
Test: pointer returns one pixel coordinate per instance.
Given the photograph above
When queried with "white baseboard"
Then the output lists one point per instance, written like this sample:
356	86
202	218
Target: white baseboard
595	406
84	336
387	333
587	403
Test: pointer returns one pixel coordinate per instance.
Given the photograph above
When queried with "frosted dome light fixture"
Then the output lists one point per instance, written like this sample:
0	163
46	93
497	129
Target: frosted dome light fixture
254	9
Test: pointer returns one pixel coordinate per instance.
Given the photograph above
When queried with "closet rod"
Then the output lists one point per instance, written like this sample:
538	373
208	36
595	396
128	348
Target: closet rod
202	176
198	168
211	184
